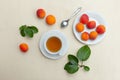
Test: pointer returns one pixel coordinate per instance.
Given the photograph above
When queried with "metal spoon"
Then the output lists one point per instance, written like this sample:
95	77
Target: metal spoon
65	23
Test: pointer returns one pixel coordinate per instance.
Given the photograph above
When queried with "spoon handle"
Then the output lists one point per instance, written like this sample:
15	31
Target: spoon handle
75	12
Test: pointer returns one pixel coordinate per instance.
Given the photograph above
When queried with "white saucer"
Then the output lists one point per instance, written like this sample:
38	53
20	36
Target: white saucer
92	16
63	49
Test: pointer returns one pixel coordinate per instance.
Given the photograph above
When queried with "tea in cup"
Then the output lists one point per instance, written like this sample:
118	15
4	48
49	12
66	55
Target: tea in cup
53	44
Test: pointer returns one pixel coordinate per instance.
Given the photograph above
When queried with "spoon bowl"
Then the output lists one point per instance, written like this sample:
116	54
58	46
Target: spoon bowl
64	23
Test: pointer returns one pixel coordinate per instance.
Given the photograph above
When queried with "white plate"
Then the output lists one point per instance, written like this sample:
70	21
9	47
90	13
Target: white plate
92	16
63	49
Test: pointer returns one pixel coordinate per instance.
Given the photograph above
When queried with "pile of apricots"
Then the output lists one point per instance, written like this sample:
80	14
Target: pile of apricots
96	30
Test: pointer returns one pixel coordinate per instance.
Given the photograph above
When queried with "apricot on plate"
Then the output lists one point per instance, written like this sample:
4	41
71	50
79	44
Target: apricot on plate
50	19
23	47
100	29
84	19
85	36
79	27
93	35
91	24
41	13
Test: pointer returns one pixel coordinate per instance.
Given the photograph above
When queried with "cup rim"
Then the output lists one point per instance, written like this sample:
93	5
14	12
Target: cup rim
48	51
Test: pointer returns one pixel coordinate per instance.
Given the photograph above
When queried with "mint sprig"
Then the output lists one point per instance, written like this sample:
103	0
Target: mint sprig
28	30
82	55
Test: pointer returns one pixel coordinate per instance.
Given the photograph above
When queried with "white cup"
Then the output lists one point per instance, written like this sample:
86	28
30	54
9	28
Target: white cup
51	52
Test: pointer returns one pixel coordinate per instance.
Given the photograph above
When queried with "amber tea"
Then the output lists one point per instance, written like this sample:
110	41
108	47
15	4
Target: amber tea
53	44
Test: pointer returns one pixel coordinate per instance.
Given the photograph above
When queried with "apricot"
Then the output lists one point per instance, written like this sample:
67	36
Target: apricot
50	19
84	19
85	36
41	13
100	29
91	24
79	27
93	35
23	47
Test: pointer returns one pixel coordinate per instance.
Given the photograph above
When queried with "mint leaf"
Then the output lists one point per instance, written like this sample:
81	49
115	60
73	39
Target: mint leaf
22	27
86	68
73	59
28	32
71	68
34	29
83	53
22	33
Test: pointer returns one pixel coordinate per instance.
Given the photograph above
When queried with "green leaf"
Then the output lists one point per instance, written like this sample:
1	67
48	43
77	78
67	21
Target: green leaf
22	33
86	68
73	59
28	32
71	68
34	29
22	27
83	53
